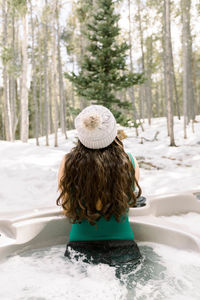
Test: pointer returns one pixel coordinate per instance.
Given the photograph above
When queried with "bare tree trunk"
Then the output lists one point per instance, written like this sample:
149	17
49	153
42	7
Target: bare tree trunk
46	110
190	66
50	99
175	86
162	99
157	102
13	83
188	84
7	108
174	83
149	81
61	85
72	88
54	76
141	87
169	71
34	80
41	126
141	104
132	94
165	88
24	89
185	50
196	91
165	104
2	122
17	80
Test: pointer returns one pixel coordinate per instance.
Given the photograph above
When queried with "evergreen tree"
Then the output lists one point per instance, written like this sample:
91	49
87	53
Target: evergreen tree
103	69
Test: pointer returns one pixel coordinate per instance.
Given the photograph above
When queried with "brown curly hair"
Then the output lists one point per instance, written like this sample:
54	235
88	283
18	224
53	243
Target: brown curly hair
97	182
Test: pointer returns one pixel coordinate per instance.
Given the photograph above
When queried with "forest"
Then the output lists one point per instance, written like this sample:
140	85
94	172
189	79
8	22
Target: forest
139	58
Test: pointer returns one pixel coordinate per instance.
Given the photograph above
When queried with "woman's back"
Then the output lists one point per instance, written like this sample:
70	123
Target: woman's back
103	230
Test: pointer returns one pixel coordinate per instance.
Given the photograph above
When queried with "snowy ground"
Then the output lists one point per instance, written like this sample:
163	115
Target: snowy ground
28	174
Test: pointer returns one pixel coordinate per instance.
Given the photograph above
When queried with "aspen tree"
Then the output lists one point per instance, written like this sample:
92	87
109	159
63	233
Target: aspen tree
168	70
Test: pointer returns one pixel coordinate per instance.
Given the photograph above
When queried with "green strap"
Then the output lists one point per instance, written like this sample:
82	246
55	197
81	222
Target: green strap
132	159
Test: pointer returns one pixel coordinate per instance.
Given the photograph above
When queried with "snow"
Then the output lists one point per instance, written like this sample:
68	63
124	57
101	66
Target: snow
28	173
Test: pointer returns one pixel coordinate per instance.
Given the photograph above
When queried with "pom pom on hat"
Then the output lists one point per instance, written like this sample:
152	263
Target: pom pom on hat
91	121
96	127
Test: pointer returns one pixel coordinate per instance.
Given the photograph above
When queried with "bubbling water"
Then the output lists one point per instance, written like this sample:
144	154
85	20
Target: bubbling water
45	274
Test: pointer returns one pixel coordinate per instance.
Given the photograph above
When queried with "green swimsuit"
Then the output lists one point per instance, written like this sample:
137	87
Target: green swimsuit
103	230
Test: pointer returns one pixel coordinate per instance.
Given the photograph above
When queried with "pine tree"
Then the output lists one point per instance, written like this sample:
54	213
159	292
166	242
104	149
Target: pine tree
103	68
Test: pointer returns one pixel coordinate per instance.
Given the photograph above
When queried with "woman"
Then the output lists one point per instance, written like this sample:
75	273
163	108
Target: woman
96	181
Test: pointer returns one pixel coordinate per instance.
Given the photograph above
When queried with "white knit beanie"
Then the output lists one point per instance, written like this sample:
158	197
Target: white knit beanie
96	127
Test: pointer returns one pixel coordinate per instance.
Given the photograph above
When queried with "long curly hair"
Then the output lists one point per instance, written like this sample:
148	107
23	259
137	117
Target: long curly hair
97	182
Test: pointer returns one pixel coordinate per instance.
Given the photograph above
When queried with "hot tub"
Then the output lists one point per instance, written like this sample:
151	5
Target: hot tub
32	245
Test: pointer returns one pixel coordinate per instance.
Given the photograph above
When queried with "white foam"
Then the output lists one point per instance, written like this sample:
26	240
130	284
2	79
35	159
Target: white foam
45	274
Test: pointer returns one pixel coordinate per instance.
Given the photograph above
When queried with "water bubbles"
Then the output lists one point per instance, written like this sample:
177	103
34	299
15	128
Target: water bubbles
45	274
